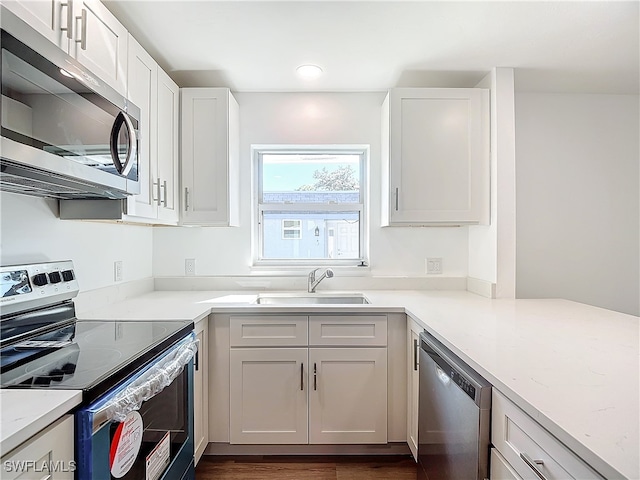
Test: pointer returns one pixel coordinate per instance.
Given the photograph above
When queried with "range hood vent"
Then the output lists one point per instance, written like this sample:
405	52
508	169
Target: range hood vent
26	180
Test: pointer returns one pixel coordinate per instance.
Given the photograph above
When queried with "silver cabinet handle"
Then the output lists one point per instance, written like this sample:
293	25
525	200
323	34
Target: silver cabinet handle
302	376
156	187
83	30
315	380
164	198
533	465
397	195
186	198
415	355
69	27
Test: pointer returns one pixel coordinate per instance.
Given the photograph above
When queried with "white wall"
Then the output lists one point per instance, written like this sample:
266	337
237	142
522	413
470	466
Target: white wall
30	232
309	118
577	177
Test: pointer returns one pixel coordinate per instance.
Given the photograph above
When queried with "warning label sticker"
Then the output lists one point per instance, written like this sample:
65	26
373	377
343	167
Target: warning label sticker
158	459
125	445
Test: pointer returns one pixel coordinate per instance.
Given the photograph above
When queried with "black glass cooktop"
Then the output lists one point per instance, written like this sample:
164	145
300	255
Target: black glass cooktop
87	355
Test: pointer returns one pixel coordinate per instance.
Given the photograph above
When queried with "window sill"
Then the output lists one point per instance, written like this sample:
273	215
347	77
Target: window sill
303	270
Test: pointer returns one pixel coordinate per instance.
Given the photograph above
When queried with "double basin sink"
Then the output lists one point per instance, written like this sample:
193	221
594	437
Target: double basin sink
311	299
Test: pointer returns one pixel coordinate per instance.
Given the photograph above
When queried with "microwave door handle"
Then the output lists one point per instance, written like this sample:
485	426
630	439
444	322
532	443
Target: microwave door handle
121	121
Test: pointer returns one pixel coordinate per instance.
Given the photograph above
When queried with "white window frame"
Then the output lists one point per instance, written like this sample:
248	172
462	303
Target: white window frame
292	229
260	208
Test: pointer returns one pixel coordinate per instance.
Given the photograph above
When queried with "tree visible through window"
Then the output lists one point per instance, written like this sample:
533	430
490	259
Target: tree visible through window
310	206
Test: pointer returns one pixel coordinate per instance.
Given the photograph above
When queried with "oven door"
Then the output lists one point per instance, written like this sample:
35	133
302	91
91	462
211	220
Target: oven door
143	429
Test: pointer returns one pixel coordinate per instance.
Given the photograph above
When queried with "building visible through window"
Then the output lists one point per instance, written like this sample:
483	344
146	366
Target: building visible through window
310	205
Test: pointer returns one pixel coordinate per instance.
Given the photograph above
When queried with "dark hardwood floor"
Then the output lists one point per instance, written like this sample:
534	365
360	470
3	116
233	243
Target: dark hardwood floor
274	467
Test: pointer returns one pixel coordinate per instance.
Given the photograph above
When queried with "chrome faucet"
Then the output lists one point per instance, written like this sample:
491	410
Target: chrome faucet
313	282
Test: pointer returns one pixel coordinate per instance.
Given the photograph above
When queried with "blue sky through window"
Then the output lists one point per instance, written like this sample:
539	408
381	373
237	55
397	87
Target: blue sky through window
289	172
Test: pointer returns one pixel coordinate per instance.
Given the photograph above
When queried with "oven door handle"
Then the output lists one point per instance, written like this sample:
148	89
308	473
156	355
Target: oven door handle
147	385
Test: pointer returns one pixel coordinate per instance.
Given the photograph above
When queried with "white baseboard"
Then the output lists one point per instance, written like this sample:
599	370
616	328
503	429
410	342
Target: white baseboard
381	449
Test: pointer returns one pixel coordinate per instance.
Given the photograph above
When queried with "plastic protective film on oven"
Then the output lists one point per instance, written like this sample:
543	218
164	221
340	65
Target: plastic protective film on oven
140	429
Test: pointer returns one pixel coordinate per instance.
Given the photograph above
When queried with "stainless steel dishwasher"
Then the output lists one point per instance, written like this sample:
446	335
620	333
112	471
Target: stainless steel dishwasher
454	416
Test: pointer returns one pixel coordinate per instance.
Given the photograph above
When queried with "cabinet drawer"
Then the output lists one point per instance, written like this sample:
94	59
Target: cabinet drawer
265	331
518	437
500	469
348	330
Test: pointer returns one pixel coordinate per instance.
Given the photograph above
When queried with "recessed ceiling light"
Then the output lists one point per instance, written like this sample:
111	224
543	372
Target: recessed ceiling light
309	71
65	73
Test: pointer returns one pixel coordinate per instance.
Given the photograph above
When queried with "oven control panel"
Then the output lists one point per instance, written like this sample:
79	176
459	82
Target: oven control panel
24	287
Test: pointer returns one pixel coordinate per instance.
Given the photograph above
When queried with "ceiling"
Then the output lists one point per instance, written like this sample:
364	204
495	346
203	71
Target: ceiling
579	46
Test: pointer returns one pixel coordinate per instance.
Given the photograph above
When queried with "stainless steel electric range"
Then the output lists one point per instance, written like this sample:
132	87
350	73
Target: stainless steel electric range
136	377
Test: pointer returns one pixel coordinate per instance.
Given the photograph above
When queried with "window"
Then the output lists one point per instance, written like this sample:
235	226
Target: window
291	229
310	205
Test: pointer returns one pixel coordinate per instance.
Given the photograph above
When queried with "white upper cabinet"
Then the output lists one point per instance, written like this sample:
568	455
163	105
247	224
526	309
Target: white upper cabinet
84	29
435	155
168	148
143	91
209	163
51	18
157	96
100	43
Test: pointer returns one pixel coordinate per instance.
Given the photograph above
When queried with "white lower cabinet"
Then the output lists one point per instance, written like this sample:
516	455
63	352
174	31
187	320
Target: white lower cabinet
413	386
297	390
48	455
201	391
530	450
268	396
347	395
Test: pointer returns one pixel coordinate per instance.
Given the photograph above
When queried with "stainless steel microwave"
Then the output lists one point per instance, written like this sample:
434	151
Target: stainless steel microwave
65	133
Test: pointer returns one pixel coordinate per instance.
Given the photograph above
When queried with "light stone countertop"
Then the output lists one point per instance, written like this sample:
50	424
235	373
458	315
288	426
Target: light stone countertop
25	412
574	368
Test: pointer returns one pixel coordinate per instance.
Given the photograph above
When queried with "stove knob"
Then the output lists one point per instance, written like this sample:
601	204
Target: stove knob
67	275
42	381
40	279
69	368
54	277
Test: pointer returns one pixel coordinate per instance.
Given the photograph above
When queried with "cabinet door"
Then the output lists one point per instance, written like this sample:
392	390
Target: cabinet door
53	447
142	86
413	390
268	396
438	149
100	43
201	391
347	395
167	147
48	17
209	160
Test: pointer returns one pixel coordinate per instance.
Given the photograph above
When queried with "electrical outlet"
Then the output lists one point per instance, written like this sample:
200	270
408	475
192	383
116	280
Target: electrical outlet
190	266
117	271
434	266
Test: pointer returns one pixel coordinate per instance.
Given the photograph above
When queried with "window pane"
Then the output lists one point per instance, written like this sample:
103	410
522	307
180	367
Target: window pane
310	178
321	235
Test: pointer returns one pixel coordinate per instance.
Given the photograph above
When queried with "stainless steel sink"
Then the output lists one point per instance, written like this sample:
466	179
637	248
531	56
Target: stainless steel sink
311	299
